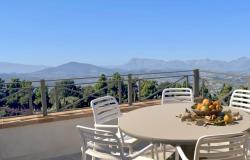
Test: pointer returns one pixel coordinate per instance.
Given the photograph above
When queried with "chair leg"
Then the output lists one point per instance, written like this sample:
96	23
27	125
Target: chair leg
152	153
83	154
176	155
84	157
156	152
130	148
164	151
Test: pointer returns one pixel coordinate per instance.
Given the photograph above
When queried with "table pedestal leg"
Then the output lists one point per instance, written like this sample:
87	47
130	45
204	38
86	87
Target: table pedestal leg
189	151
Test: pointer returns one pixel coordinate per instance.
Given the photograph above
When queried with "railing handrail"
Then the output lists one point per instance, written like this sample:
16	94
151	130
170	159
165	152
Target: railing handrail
108	76
225	73
131	91
83	83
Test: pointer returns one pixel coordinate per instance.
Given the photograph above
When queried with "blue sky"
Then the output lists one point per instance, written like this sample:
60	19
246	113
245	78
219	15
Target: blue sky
110	32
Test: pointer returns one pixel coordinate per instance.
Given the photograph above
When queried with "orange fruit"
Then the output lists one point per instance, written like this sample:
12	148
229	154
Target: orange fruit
211	107
204	108
198	107
206	102
215	103
218	107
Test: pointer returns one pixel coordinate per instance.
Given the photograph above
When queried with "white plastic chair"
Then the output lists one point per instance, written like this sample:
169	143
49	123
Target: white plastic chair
170	95
105	145
218	147
240	99
106	109
173	95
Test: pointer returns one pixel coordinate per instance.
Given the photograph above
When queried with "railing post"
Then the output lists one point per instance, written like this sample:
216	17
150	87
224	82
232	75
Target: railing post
196	82
139	90
187	82
202	88
120	91
134	95
30	91
56	99
130	90
43	96
248	84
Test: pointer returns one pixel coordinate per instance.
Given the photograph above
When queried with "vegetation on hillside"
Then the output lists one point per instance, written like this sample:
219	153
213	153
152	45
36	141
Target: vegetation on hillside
15	95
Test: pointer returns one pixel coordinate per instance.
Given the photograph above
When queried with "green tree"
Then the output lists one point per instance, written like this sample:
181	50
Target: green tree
88	94
113	85
206	94
2	92
70	102
164	85
226	88
101	83
177	85
66	88
148	87
38	98
24	96
13	87
185	84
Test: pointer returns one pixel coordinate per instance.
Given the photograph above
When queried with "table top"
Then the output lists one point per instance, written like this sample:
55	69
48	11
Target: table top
160	124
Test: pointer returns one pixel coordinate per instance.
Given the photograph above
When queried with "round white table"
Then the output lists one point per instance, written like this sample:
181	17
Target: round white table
159	124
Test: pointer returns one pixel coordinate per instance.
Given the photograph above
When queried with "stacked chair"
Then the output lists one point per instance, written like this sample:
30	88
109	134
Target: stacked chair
106	145
105	140
105	110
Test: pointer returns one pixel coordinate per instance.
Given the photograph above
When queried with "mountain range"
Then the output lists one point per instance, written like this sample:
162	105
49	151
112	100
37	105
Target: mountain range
135	65
6	67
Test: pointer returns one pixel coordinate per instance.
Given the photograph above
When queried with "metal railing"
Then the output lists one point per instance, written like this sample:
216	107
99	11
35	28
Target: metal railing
215	81
45	96
18	98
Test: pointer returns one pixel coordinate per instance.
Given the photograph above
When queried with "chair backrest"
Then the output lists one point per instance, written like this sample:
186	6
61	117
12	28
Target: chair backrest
100	143
241	99
170	95
221	147
105	109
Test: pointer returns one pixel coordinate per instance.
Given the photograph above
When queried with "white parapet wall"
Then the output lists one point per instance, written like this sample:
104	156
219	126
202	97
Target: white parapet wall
42	141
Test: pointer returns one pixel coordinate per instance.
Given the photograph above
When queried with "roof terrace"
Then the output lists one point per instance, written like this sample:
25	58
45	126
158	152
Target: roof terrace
38	118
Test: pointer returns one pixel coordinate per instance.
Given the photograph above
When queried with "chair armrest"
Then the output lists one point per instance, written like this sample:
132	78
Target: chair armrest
181	153
138	153
105	126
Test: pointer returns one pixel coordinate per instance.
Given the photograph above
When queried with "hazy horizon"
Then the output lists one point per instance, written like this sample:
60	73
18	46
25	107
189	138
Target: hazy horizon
35	64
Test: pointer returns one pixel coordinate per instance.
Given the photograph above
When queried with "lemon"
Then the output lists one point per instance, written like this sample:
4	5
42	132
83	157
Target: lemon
228	118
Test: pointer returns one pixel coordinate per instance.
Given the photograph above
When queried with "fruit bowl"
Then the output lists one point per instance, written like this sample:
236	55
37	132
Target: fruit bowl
207	108
209	113
205	113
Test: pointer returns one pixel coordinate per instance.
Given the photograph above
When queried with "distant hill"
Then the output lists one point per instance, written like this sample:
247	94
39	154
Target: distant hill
7	68
241	65
135	65
71	69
